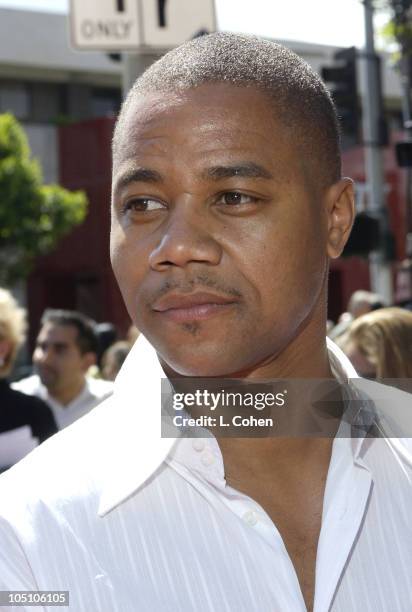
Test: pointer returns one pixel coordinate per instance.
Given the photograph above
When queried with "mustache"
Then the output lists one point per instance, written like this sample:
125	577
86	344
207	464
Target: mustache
190	285
38	369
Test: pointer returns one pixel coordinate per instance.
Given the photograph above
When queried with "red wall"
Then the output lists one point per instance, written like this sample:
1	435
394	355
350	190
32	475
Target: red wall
77	275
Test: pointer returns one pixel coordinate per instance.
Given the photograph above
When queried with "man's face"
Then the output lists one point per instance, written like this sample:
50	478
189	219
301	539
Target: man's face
57	357
218	238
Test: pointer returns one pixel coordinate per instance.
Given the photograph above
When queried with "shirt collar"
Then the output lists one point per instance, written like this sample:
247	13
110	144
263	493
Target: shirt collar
203	455
138	449
76	401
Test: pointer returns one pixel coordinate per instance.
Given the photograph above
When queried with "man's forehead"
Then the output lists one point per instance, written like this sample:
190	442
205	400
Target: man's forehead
209	99
151	103
67	333
147	107
207	141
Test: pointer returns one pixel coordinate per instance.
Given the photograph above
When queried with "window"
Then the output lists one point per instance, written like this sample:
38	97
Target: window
15	98
105	102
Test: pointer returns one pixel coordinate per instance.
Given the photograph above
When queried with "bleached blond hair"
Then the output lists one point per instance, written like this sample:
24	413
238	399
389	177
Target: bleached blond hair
384	337
12	328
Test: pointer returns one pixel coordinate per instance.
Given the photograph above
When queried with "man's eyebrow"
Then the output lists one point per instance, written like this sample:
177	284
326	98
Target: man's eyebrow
244	170
138	175
55	345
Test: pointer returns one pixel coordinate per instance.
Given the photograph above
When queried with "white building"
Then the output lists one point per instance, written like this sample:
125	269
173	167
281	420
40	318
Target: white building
44	82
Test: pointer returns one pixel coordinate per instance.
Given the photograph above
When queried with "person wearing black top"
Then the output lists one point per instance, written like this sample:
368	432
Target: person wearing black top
18	409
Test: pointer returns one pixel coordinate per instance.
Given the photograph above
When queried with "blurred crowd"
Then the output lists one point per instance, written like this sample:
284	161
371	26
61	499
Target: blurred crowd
76	360
74	364
376	337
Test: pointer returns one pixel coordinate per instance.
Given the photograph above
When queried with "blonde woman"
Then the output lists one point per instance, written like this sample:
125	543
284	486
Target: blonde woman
18	409
379	344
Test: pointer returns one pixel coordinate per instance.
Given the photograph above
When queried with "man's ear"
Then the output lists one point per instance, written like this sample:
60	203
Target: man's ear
340	210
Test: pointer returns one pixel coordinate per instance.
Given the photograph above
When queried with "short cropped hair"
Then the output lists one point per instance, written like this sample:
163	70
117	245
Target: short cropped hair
86	336
12	328
300	98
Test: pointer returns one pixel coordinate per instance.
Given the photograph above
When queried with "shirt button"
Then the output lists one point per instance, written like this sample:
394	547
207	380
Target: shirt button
207	459
250	518
198	445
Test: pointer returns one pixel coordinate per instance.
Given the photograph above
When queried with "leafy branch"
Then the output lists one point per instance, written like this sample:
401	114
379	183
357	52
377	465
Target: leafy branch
33	216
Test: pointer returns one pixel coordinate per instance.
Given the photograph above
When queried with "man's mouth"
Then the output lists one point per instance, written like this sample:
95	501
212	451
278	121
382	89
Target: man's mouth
45	371
183	308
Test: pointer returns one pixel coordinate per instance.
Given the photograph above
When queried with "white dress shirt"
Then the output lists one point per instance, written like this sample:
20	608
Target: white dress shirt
128	521
93	392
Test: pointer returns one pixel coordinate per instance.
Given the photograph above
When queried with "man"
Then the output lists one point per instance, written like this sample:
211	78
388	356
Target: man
227	206
66	347
360	302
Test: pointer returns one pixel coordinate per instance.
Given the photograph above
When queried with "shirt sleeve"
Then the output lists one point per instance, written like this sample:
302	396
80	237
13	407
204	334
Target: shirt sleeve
15	570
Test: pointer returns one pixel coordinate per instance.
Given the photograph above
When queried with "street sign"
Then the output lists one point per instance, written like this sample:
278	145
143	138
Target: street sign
168	23
108	25
119	25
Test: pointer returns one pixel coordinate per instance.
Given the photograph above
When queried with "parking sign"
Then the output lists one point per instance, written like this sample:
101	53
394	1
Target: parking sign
116	25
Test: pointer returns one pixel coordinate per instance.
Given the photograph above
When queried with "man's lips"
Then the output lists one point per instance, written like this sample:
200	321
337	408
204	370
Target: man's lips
45	371
181	307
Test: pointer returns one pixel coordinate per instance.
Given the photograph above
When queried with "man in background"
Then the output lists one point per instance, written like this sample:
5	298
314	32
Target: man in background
65	349
360	302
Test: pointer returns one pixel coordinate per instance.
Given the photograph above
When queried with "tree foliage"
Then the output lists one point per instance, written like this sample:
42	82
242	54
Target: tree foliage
399	27
33	216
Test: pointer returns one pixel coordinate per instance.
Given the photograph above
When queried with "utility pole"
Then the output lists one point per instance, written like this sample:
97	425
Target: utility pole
401	16
380	269
133	66
136	63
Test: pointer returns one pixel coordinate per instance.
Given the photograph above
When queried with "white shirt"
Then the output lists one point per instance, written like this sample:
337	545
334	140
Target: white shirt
93	392
128	521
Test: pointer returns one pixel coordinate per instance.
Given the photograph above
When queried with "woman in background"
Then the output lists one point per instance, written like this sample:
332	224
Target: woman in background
18	410
379	344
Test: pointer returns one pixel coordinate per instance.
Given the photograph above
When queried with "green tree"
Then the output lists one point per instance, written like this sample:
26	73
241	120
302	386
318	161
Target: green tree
399	26
33	216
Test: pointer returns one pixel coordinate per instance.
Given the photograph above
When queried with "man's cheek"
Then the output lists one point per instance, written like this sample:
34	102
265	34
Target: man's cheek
122	263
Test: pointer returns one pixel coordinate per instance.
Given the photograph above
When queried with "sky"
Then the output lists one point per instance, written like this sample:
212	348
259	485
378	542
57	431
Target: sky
334	22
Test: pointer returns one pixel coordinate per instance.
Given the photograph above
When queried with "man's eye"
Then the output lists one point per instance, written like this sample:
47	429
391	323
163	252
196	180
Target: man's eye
142	205
232	198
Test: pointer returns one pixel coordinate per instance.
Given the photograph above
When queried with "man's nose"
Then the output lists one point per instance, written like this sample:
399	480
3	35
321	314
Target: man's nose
187	238
43	354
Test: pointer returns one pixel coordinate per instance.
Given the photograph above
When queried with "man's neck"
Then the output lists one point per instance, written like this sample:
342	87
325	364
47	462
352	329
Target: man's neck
256	463
305	360
66	395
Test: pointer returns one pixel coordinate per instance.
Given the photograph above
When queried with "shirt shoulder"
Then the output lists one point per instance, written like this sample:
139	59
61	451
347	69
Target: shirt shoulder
392	408
65	468
99	388
56	481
